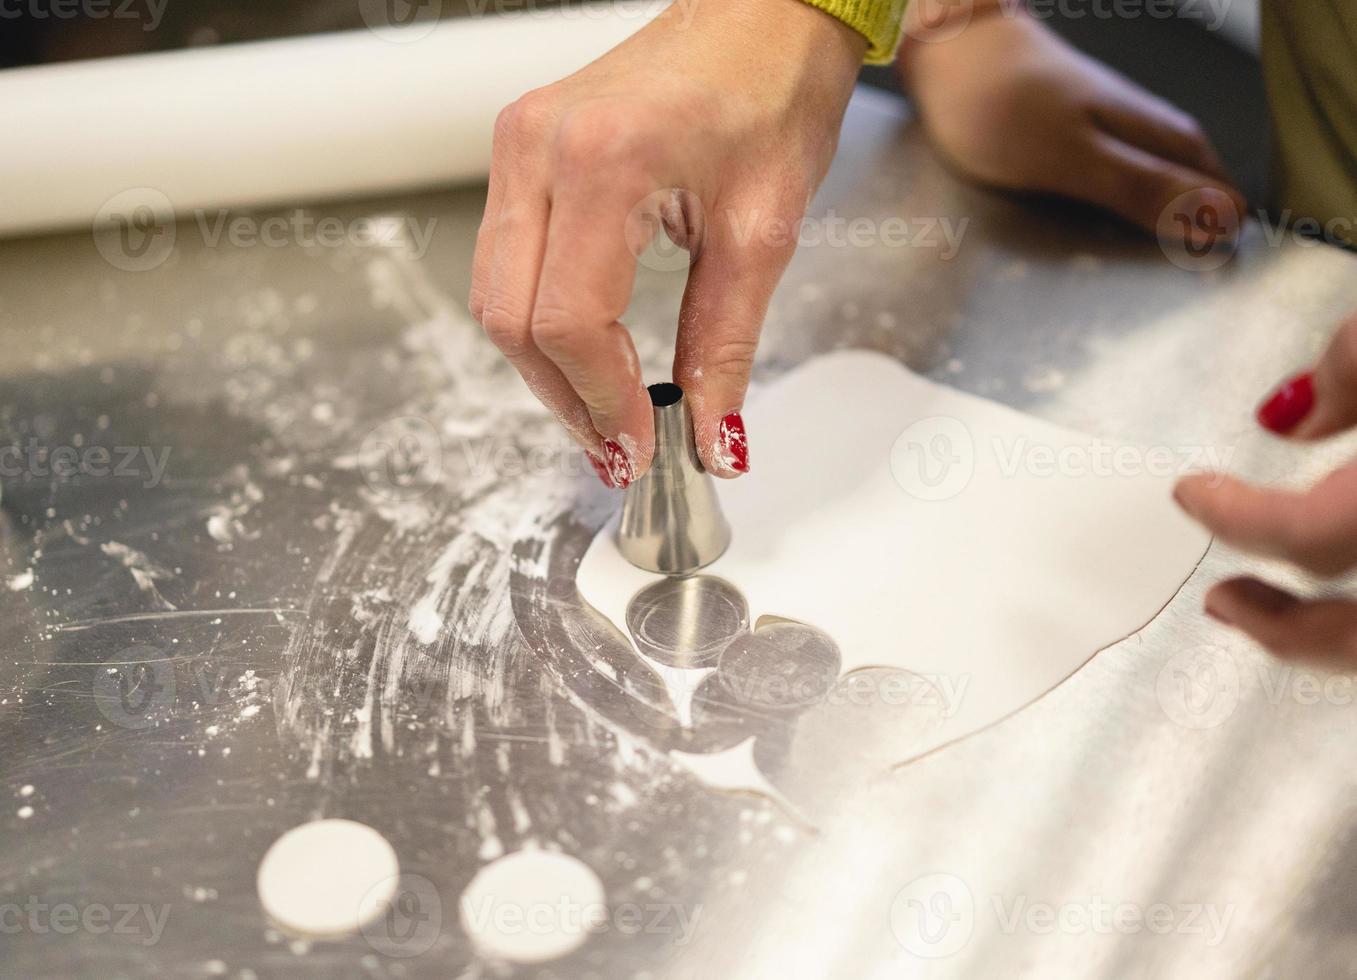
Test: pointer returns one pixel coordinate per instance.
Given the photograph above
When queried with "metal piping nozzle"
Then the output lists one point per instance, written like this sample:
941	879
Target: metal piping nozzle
671	520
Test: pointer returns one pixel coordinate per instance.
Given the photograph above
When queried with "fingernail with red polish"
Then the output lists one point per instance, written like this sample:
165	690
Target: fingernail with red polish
619	464
1288	407
600	469
734	443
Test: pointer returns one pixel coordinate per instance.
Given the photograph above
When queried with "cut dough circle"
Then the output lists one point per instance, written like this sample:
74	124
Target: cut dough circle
327	877
532	906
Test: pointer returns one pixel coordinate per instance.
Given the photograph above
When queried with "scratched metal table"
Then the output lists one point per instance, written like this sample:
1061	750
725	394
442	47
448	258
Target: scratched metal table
283	539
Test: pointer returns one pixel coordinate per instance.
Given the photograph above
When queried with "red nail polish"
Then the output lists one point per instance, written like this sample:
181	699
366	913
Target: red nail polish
1289	405
600	469
734	443
619	464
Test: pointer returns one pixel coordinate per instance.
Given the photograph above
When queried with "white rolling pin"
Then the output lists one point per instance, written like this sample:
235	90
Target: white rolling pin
282	122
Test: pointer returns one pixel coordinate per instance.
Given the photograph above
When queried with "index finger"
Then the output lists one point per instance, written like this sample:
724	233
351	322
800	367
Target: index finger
587	275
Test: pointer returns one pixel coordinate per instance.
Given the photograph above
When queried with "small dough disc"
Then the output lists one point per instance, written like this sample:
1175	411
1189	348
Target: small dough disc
327	877
532	906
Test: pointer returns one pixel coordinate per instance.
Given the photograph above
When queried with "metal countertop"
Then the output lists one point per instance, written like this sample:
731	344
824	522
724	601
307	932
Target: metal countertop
350	592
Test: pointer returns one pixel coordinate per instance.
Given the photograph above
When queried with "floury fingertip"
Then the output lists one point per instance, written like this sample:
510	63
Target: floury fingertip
620	468
734	443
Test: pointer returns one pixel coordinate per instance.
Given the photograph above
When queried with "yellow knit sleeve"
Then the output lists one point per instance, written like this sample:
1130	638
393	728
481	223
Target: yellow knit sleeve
876	20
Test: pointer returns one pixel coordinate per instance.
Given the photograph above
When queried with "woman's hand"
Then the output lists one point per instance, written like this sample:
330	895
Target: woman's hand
720	129
1013	106
1316	529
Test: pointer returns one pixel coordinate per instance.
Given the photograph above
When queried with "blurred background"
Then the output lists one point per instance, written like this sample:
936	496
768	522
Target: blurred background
1212	74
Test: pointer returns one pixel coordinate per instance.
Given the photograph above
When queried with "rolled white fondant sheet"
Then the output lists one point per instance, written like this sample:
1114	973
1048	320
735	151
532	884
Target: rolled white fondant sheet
280	122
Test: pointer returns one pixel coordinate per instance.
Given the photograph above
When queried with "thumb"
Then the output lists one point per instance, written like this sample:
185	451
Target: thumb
729	286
